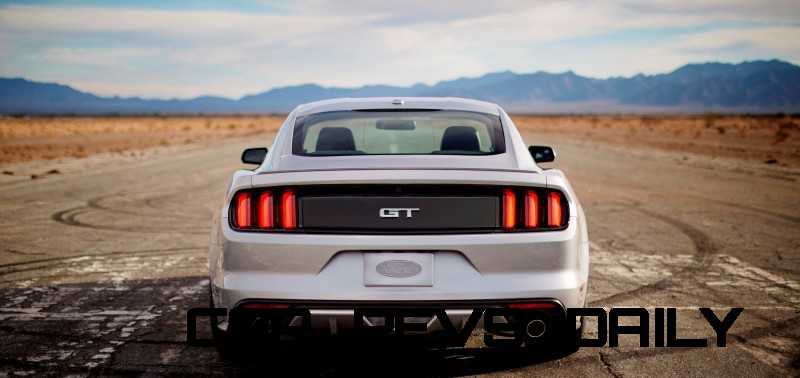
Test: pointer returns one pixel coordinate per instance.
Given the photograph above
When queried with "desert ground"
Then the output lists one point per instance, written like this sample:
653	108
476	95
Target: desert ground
32	138
772	139
104	228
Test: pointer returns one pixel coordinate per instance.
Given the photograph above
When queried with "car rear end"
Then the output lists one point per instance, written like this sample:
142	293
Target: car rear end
396	244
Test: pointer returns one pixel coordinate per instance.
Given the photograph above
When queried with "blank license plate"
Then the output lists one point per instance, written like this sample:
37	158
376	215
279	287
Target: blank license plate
398	269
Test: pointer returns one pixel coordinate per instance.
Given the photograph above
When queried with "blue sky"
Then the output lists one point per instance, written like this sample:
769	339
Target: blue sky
231	48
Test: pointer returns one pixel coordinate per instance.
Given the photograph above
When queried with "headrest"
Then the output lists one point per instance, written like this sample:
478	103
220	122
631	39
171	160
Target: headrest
462	138
335	139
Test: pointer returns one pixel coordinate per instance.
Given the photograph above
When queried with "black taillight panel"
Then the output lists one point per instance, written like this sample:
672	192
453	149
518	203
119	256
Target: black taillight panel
280	209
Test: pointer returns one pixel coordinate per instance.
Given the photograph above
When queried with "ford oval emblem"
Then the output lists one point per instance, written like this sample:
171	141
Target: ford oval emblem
398	268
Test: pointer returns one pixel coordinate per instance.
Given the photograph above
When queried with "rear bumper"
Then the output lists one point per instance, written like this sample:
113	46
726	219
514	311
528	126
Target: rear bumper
449	323
468	269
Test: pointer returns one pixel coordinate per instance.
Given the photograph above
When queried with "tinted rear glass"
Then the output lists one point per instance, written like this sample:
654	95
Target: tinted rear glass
423	132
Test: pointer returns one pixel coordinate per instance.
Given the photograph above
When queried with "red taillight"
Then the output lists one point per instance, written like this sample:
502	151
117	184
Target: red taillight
539	209
265	212
243	210
531	210
532	305
288	210
555	213
509	209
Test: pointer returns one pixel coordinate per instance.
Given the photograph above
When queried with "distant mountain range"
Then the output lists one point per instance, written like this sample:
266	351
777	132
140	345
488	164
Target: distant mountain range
757	86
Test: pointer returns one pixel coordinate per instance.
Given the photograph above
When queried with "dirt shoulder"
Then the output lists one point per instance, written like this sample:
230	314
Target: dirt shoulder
771	140
47	138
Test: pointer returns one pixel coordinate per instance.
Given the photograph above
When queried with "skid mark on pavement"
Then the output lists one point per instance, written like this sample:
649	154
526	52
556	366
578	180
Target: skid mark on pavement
749	276
146	205
137	213
724	273
109	266
755	289
99	220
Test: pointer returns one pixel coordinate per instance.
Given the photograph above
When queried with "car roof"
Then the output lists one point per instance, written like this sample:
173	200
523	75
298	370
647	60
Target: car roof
396	103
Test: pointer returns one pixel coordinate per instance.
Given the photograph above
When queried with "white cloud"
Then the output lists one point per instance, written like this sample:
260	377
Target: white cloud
210	25
167	53
762	11
780	40
110	57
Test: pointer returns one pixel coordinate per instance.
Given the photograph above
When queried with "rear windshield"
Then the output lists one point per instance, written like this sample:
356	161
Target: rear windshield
424	132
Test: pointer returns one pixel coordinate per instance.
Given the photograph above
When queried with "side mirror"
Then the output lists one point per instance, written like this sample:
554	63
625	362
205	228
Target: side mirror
542	154
254	155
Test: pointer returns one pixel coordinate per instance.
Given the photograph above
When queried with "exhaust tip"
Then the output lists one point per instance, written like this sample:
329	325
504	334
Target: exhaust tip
535	328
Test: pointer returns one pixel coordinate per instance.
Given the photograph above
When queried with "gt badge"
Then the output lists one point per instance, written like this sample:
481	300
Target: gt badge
394	212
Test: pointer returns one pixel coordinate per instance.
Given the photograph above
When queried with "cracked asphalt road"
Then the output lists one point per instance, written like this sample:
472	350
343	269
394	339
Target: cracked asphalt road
99	264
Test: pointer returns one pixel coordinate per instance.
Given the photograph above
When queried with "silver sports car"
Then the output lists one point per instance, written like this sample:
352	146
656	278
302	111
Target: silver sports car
399	216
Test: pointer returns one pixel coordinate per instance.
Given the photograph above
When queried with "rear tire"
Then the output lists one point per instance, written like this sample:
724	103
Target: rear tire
222	339
241	341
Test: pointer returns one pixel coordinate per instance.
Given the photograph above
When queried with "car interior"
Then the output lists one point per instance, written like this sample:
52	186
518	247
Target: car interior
340	140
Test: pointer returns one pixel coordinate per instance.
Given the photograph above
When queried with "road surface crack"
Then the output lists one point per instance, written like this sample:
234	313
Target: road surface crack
611	370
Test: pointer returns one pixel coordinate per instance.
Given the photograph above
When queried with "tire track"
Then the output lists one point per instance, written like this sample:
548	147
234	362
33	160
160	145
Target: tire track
70	217
8	268
97	203
703	246
734	339
152	203
121	266
738	206
21	253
